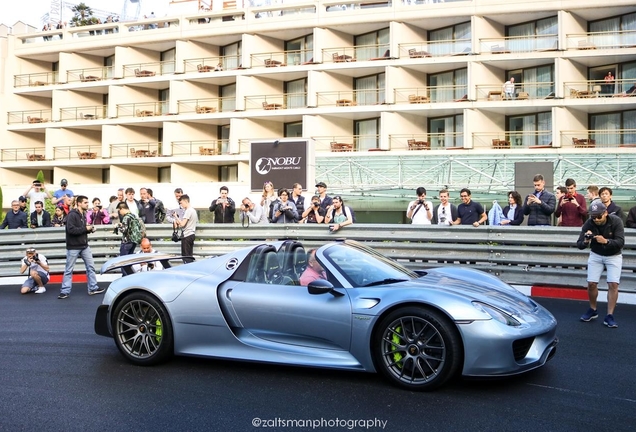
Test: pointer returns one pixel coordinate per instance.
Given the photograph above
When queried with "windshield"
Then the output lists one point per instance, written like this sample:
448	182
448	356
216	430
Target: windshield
362	266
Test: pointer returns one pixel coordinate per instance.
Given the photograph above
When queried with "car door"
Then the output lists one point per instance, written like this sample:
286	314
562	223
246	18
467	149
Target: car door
288	314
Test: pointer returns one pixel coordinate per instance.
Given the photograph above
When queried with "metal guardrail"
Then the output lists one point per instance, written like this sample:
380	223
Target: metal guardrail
521	255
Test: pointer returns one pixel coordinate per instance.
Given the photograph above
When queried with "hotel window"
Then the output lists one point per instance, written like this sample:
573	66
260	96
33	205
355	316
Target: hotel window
228	173
450	40
293	130
367	134
446	131
613	129
296	93
624	77
223	133
168	61
448	86
228	97
530	130
613	32
231	55
540	35
109	65
369	90
538	81
299	50
164	175
371	45
164	97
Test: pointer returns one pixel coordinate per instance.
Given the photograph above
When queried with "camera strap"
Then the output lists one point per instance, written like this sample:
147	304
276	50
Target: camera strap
419	206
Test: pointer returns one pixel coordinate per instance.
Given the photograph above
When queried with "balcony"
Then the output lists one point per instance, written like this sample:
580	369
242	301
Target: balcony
505	140
598	88
351	98
519	44
142	109
77	152
146	70
523	91
202	106
212	64
89	74
451	47
601	40
600	138
434	94
135	150
29	117
201	147
276	102
347	143
31	154
83	113
36	79
357	53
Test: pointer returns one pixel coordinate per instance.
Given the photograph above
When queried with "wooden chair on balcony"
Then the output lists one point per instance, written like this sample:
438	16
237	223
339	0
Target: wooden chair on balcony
385	56
34	119
583	143
341	147
153	153
413	53
89	78
204	68
133	153
500	144
200	109
523	96
342	58
418	145
144	73
274	63
34	157
495	95
415	99
462	99
272	106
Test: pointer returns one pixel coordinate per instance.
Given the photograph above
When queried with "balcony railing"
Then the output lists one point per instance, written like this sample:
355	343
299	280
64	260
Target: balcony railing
202	106
136	150
142	109
144	70
86	151
89	74
347	143
601	40
83	113
357	53
351	98
517	44
427	141
603	138
210	64
523	91
276	102
435	48
201	147
513	139
30	116
282	58
22	154
418	95
35	79
597	88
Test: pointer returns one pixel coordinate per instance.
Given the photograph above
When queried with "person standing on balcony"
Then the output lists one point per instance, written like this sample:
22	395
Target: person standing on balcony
608	87
540	204
571	208
509	89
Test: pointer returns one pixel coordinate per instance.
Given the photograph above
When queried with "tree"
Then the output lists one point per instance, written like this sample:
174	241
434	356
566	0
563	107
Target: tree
83	15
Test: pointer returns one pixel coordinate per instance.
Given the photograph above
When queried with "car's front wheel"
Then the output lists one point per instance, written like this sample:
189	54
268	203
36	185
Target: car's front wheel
142	329
417	348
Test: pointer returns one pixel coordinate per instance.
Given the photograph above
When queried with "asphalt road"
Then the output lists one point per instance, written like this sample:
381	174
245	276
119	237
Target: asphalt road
57	375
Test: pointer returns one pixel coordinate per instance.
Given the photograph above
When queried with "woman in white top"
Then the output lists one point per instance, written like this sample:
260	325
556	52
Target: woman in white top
268	197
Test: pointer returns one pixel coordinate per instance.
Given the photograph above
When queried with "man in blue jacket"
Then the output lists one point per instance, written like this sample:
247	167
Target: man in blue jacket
540	204
16	218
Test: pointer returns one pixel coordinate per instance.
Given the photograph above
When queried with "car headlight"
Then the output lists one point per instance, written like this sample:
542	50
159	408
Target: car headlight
496	314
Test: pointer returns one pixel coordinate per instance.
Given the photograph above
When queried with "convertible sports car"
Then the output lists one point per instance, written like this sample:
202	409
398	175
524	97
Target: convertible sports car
419	329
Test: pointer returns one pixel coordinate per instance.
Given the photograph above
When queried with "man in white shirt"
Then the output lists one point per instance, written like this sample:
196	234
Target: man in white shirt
445	212
36	192
38	273
146	248
420	211
188	222
250	212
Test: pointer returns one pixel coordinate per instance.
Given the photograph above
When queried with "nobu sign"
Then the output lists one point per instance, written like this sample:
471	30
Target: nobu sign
281	162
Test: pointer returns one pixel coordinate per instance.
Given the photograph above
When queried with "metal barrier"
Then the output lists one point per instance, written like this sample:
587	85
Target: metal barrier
522	255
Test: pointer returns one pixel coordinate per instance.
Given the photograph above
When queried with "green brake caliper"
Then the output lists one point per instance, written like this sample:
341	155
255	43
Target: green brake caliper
397	357
158	331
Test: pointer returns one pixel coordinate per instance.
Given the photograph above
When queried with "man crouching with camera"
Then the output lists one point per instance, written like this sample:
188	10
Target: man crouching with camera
605	235
252	213
38	268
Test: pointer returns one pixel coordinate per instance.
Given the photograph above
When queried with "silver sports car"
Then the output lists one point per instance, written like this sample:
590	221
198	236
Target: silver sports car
365	313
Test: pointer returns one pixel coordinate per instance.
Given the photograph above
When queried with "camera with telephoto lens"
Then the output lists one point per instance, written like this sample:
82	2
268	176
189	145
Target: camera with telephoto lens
36	257
151	266
589	236
246	206
316	204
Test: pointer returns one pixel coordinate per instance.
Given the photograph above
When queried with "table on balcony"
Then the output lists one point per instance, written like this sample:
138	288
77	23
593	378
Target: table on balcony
205	109
88	78
418	145
500	144
39	83
274	63
341	147
205	68
144	73
35	119
342	58
272	106
142	153
145	113
87	155
35	157
584	143
495	95
89	116
345	102
207	151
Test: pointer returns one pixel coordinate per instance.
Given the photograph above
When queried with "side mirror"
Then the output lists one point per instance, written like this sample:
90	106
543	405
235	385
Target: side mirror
321	286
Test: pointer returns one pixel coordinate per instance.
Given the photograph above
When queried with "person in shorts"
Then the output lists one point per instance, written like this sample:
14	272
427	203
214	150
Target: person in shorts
605	235
38	273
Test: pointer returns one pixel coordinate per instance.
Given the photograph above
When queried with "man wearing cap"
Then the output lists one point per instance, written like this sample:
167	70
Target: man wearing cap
38	273
325	200
22	200
62	192
605	235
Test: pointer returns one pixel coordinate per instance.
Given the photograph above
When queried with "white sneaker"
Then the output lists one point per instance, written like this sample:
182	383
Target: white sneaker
40	290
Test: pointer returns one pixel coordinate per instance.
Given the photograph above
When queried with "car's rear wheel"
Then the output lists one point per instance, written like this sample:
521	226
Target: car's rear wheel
142	329
417	348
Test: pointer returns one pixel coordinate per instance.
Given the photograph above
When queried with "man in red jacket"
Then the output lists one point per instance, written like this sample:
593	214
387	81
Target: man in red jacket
571	207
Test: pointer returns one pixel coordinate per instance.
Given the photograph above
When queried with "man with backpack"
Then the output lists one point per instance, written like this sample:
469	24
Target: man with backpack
131	228
338	215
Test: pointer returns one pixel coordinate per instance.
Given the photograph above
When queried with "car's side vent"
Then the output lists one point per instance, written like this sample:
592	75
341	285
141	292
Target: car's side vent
520	347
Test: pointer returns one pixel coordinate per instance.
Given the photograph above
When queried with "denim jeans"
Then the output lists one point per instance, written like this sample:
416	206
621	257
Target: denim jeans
71	258
127	248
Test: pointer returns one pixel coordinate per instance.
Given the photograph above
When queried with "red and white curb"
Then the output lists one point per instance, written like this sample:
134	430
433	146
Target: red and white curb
56	278
572	293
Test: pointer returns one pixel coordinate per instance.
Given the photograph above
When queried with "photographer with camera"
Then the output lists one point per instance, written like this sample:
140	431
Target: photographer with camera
571	208
97	216
605	235
77	230
223	207
38	268
284	210
420	211
146	248
314	212
250	212
540	204
36	192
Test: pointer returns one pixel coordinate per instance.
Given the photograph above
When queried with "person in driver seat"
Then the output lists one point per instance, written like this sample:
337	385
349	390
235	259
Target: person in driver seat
314	270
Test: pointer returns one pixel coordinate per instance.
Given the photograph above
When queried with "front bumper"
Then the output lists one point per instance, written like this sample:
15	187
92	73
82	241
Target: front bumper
101	321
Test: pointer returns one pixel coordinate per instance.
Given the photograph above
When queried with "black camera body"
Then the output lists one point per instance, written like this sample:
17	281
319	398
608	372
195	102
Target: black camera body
36	257
589	236
246	206
151	266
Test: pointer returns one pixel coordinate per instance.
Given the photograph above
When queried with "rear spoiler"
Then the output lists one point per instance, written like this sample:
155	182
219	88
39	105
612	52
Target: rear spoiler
125	262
